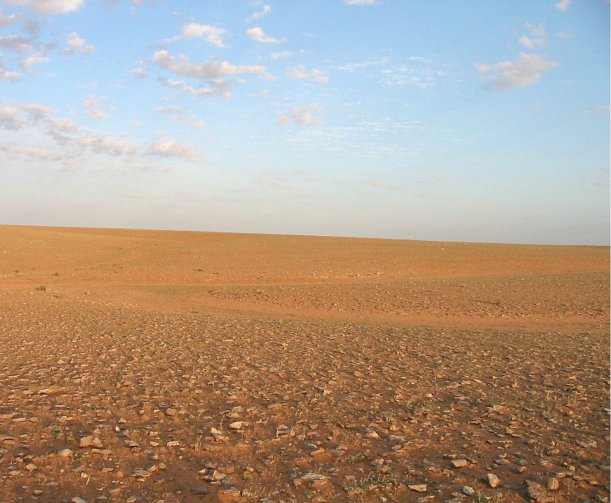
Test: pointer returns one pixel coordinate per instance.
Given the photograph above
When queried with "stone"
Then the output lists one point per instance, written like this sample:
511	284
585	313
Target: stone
171	412
459	463
419	488
493	480
538	493
468	491
64	453
90	441
553	484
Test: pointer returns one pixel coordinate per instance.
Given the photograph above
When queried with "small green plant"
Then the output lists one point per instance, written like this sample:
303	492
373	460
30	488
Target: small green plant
357	458
41	288
372	482
481	498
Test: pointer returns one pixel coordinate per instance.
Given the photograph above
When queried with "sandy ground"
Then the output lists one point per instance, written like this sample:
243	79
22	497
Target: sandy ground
186	367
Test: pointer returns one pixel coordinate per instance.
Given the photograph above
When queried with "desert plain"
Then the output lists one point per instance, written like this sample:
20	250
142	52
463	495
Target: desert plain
160	366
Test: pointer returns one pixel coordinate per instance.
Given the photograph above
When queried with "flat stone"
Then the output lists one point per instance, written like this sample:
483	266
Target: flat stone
419	488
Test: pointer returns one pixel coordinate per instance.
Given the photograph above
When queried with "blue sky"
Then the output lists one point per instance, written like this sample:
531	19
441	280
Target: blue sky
441	120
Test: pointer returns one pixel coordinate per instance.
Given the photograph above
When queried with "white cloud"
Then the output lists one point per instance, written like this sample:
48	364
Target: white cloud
77	44
6	74
9	19
300	73
259	35
415	73
62	126
179	114
34	59
220	88
520	73
536	36
212	34
47	6
35	110
103	144
265	10
210	71
92	104
96	114
139	70
170	148
9	119
562	5
15	43
301	115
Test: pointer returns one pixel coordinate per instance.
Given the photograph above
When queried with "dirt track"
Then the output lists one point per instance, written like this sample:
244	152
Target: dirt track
224	367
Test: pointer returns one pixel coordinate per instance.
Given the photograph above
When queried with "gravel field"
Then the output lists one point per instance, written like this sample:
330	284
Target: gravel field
119	390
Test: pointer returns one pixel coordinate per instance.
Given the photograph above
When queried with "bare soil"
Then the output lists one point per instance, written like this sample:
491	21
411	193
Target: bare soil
159	366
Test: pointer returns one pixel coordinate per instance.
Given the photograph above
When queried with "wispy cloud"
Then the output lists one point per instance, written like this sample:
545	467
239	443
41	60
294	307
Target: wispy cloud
212	34
77	44
415	72
507	75
300	73
179	114
257	34
92	105
139	70
265	10
536	36
301	115
212	72
6	20
171	148
6	74
562	5
34	59
107	145
15	43
220	88
9	119
47	6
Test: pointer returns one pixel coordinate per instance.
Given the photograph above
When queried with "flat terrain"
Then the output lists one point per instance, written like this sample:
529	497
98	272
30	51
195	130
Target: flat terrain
185	367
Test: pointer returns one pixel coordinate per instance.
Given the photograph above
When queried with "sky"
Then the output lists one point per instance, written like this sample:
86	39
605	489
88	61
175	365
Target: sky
482	121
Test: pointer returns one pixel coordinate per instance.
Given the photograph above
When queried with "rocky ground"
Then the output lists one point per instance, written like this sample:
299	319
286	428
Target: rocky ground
259	390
